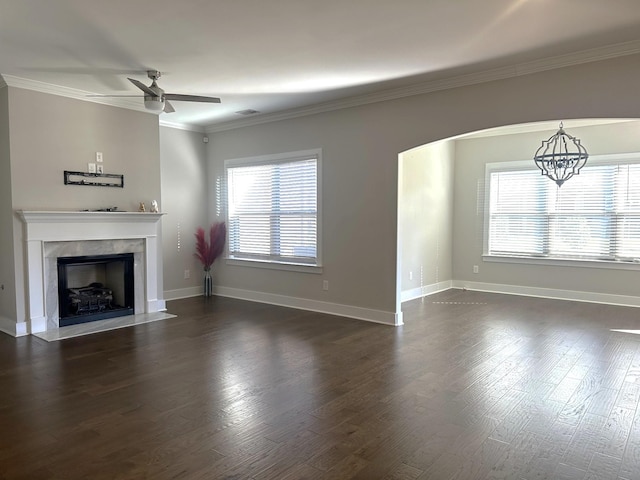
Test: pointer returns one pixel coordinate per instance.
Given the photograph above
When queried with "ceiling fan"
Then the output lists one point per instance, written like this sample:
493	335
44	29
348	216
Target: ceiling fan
157	100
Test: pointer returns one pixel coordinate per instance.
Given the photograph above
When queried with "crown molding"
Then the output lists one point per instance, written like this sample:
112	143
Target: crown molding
68	92
182	126
17	82
550	126
526	68
42	87
584	56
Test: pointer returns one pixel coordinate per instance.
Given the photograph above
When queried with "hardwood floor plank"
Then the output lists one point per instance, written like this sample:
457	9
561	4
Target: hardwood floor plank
603	467
403	472
630	467
567	472
603	402
629	396
543	465
585	442
303	472
516	457
615	433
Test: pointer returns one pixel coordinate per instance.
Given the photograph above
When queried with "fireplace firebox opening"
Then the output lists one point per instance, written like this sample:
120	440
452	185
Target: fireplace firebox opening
95	287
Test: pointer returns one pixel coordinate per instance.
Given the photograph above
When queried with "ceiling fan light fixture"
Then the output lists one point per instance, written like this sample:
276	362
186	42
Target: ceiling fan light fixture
561	156
155	104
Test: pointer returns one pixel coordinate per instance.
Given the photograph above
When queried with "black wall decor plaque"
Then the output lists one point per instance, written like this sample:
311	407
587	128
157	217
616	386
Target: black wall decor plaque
93	179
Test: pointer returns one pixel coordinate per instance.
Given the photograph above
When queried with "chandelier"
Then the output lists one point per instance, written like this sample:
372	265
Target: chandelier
561	156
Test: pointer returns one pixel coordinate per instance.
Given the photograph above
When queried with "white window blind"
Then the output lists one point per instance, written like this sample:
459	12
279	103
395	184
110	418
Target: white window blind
595	215
273	210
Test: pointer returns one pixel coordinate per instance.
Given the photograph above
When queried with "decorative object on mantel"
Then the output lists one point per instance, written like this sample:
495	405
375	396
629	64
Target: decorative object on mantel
141	207
106	209
154	206
97	179
207	253
561	156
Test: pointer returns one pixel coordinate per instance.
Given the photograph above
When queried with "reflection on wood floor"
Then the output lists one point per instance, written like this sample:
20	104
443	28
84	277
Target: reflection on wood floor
473	386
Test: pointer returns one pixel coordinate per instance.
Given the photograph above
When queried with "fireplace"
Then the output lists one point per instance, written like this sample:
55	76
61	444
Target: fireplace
95	287
50	235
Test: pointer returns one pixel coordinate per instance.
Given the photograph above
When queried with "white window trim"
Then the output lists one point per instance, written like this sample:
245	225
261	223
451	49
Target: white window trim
577	262
280	158
289	267
564	262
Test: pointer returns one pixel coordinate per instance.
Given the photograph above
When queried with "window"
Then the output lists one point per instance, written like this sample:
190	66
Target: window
594	216
273	209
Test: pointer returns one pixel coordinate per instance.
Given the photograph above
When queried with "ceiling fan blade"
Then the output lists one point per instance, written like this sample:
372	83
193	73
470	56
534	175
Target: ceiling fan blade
190	98
143	87
99	95
168	108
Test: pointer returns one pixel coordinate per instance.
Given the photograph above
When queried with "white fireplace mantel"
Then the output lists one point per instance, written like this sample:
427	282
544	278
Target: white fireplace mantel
52	226
64	226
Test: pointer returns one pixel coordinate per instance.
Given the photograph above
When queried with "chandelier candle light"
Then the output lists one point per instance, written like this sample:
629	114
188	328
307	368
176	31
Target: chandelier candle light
561	156
208	252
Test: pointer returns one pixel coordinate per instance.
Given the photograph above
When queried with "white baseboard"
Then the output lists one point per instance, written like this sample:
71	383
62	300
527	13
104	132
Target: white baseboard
425	290
182	293
10	327
573	295
22	329
359	313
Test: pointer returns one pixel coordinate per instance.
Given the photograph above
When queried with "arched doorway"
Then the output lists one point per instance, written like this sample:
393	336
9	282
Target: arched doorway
441	216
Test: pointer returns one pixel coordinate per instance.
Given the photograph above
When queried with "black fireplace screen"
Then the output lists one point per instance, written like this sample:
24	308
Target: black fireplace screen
95	287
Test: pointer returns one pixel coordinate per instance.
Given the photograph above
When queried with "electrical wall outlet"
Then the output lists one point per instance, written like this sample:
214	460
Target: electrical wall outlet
92	167
325	284
410	275
476	269
98	156
187	274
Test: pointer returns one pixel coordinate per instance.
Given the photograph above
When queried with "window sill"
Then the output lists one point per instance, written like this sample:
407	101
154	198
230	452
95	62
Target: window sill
290	267
606	264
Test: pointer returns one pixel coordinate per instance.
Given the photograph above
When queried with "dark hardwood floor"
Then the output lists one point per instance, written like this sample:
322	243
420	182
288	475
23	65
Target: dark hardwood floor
474	386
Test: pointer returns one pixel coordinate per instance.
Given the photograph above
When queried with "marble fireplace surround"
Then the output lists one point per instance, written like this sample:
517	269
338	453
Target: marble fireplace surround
50	234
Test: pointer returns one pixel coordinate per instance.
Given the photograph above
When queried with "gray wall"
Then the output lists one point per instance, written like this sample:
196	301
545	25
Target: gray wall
7	269
185	191
361	147
472	155
425	211
50	134
359	176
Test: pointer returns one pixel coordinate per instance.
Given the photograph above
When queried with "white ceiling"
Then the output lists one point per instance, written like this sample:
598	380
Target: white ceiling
275	56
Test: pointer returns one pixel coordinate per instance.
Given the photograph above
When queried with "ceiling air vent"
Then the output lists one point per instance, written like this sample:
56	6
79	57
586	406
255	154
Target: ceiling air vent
248	111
